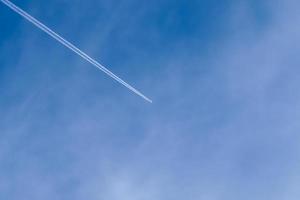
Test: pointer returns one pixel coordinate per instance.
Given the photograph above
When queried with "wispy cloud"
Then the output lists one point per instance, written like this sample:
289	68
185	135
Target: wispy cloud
223	126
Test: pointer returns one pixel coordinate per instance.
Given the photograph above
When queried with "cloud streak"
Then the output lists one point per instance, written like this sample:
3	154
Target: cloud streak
232	135
72	47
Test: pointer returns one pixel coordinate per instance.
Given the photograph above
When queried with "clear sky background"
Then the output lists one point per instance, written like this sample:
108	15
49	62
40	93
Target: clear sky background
224	77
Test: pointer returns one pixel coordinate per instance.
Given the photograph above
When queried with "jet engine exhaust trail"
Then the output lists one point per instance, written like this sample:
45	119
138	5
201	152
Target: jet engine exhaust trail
71	47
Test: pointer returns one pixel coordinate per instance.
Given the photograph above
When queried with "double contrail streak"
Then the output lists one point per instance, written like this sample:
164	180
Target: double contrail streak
71	47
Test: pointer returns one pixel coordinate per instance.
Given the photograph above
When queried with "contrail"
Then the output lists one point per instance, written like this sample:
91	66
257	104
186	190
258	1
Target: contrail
71	47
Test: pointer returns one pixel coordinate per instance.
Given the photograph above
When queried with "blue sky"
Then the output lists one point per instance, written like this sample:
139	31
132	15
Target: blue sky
223	76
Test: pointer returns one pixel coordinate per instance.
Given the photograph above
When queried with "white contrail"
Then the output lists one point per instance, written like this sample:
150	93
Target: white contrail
71	47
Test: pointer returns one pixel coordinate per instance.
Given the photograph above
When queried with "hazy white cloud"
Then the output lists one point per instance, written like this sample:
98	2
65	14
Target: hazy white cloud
223	125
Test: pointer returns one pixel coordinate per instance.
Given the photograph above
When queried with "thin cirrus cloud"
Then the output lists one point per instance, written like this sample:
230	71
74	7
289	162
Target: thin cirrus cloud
232	135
